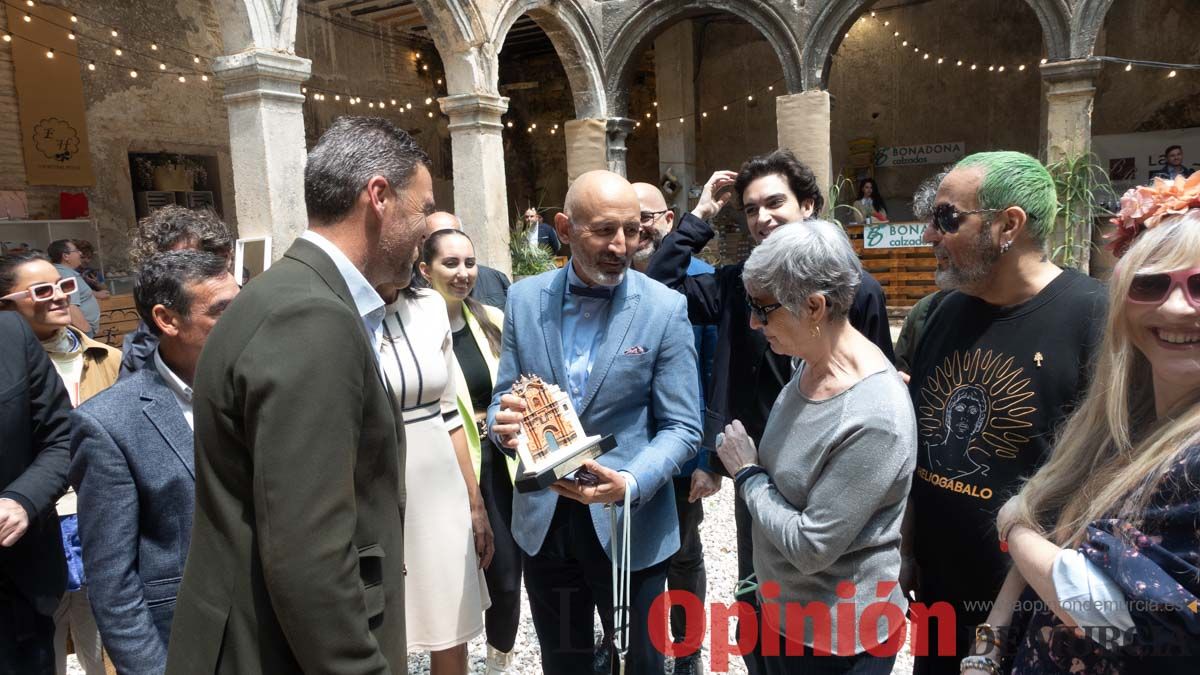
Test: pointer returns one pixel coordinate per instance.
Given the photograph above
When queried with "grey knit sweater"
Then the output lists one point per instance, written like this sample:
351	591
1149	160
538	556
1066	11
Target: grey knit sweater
829	507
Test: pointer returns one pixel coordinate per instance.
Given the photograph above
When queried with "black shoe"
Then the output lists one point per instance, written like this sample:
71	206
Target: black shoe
602	658
688	665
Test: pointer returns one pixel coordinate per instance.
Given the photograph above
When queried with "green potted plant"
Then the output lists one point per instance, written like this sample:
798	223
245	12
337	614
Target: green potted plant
1083	188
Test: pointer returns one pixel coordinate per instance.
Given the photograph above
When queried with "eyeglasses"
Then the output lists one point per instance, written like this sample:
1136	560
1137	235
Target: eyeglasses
650	216
948	219
761	312
45	291
1152	289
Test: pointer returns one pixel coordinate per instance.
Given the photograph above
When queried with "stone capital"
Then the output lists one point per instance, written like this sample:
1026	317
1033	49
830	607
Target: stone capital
259	74
1077	73
481	112
619	129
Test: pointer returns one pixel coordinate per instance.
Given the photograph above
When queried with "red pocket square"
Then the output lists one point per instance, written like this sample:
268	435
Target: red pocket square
634	351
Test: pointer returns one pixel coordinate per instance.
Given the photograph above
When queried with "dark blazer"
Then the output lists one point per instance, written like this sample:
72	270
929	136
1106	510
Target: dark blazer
746	375
137	348
34	451
491	287
131	465
297	556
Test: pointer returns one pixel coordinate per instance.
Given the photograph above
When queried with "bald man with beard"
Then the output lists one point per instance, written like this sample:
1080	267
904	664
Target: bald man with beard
620	346
491	285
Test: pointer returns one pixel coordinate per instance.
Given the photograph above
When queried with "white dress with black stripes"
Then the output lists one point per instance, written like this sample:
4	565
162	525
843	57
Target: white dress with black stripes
444	592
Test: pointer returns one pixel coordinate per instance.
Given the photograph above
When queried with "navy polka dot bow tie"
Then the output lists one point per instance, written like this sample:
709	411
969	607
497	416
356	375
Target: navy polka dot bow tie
605	292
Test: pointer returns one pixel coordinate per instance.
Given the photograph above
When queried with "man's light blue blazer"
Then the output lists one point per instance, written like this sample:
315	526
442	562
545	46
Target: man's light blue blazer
642	389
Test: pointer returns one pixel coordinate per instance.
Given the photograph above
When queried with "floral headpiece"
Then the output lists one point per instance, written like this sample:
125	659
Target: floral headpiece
1144	207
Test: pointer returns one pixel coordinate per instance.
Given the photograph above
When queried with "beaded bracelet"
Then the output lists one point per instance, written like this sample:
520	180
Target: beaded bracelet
983	663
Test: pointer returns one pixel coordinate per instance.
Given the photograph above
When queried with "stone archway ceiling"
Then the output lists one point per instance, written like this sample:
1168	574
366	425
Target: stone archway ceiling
525	38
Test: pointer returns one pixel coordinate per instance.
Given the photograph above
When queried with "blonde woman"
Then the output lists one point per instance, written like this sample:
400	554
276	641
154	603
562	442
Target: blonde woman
448	263
1104	536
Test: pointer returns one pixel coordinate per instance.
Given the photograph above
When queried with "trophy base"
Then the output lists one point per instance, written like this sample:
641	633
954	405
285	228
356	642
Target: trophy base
546	475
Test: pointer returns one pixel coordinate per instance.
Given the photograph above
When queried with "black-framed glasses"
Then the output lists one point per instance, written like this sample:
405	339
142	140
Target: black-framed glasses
761	312
650	216
947	219
45	291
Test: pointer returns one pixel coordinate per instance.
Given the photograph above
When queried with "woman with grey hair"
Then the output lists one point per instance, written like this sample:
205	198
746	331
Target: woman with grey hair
827	487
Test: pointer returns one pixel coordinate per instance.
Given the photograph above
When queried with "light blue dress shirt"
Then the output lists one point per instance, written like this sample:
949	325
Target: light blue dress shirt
584	324
366	300
584	321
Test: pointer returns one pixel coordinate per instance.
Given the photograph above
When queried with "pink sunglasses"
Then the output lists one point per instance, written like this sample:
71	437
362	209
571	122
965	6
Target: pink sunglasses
1152	289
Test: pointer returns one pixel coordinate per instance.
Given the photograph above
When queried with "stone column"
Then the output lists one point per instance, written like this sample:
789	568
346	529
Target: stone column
1070	94
619	129
480	194
802	121
266	142
675	89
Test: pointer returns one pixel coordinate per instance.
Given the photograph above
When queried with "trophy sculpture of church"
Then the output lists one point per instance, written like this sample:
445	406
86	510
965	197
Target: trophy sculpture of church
552	443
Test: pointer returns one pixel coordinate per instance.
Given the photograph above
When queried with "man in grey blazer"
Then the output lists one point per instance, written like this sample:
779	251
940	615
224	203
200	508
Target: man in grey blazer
132	464
621	346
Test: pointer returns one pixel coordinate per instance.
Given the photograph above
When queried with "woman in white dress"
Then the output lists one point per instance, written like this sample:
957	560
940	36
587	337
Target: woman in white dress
447	539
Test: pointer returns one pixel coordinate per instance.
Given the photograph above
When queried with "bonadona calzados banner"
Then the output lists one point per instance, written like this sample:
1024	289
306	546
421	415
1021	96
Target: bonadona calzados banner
920	155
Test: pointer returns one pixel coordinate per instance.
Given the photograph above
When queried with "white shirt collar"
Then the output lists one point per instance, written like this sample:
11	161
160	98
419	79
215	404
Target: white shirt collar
180	388
366	299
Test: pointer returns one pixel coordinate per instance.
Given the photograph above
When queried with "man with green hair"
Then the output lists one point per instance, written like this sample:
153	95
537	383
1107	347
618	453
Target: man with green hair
1002	360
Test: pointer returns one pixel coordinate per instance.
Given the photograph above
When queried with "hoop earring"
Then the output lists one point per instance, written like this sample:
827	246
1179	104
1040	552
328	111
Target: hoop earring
1004	246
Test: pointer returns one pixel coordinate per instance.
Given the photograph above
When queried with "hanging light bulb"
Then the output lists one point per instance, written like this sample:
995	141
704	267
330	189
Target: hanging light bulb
657	125
337	97
681	120
1171	74
430	114
972	66
204	78
704	114
408	105
1021	67
74	19
1044	61
118	51
50	53
991	69
428	101
91	65
1128	67
153	46
182	79
28	19
133	74
1000	69
113	32
770	87
904	44
959	64
162	66
926	57
510	124
724	107
29	2
7	37
750	97
896	34
195	59
393	101
940	60
70	35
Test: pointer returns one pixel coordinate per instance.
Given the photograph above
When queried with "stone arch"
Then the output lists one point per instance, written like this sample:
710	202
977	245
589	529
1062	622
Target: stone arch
1086	24
574	41
837	17
458	33
250	24
639	28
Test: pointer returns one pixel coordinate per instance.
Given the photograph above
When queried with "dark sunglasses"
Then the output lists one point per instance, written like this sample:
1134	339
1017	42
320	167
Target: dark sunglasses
1152	289
761	312
45	291
947	219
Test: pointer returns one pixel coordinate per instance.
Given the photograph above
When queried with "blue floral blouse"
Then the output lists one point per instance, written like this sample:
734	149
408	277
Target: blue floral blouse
1157	567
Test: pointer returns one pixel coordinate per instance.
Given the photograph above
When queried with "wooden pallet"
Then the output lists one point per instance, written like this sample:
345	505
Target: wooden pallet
906	274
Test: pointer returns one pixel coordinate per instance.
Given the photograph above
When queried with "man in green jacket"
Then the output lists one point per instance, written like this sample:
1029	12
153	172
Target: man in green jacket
297	552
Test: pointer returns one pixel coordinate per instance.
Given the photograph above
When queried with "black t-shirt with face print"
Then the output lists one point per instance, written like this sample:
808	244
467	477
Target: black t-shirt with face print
991	386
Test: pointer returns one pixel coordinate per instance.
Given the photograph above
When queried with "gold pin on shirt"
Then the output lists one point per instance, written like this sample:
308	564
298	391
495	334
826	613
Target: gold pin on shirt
1037	359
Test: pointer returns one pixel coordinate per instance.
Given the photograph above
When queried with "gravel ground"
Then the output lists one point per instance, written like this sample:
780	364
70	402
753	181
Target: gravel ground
720	555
